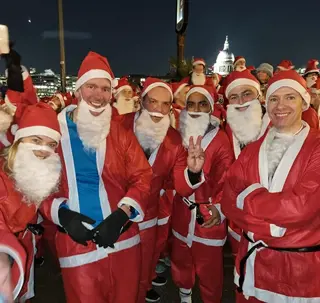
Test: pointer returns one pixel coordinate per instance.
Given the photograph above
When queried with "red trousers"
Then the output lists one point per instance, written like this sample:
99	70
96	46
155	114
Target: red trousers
148	242
112	279
161	242
204	261
241	299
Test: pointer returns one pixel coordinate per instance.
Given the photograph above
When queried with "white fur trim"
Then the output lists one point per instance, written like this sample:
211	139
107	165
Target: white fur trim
242	81
198	62
25	73
148	224
56	203
157	84
10	105
289	83
36	131
241	197
277	231
91	74
180	89
61	98
130	202
14	129
315	91
284	68
120	89
218	207
312	71
202	91
240	59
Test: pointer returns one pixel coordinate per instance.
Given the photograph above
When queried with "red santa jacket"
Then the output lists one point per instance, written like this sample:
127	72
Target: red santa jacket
282	213
17	241
218	158
311	117
125	179
169	160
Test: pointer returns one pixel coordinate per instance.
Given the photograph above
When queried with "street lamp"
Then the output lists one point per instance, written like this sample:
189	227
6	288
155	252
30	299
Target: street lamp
62	50
182	14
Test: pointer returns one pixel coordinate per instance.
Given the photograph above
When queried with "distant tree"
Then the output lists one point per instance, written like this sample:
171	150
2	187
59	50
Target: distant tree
184	70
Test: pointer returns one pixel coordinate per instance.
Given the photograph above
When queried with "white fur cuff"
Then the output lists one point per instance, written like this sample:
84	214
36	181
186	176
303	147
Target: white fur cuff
241	197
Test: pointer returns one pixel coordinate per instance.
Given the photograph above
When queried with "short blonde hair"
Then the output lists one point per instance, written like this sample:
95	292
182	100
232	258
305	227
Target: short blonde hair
9	154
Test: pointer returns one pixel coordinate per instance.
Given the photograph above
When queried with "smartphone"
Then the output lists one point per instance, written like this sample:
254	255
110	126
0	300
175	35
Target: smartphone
4	40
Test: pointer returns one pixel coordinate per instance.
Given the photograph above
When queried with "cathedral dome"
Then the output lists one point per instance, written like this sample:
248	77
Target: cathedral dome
225	59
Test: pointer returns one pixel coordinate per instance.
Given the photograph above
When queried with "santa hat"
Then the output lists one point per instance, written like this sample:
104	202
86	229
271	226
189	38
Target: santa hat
237	59
177	87
197	61
123	83
65	99
251	68
291	79
312	67
151	83
267	68
94	66
315	88
237	78
207	90
38	120
285	65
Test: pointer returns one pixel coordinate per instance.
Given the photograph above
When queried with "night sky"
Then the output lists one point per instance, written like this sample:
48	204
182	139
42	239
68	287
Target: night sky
139	36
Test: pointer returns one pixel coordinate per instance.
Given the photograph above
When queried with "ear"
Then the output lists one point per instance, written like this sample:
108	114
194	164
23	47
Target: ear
304	105
77	94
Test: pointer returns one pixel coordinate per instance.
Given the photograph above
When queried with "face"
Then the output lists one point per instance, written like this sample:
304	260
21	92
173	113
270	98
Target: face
158	100
126	93
242	94
262	76
285	108
198	69
312	76
197	103
96	93
55	103
41	141
240	65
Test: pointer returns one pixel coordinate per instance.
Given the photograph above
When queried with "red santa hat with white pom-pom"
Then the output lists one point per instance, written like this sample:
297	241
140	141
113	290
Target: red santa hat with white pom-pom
290	79
95	66
123	83
312	67
38	120
285	65
177	87
197	61
151	83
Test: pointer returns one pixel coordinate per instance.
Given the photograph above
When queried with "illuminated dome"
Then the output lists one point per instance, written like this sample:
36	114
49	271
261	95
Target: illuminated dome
225	59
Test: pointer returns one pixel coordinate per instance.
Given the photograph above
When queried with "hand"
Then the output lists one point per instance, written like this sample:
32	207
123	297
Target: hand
72	222
195	158
215	217
108	231
6	289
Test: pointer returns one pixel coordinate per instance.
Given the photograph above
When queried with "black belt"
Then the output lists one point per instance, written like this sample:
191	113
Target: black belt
260	245
36	229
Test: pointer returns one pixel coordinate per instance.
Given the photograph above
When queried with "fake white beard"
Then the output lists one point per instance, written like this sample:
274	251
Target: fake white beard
92	130
150	134
5	121
310	82
276	149
35	178
198	79
240	68
245	125
192	127
123	106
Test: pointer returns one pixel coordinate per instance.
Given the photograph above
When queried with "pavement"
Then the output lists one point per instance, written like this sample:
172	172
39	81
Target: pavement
49	289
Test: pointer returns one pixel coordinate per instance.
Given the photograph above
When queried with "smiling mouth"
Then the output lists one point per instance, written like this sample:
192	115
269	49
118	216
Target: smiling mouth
96	104
281	115
243	108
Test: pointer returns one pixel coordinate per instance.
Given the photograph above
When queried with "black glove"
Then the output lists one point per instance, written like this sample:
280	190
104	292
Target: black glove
71	221
108	231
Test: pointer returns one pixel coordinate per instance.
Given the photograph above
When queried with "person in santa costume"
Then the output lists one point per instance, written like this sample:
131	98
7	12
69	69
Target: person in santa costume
312	72
106	184
163	148
59	101
179	90
198	227
315	96
125	101
239	64
245	123
198	74
284	65
31	171
20	92
272	192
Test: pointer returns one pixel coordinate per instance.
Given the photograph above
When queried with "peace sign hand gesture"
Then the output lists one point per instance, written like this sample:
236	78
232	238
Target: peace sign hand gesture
195	158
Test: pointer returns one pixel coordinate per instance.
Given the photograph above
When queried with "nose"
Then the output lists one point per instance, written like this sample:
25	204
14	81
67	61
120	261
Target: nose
41	153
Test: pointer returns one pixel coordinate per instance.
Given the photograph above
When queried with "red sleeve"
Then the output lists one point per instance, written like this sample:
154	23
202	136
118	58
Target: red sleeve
139	175
291	208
